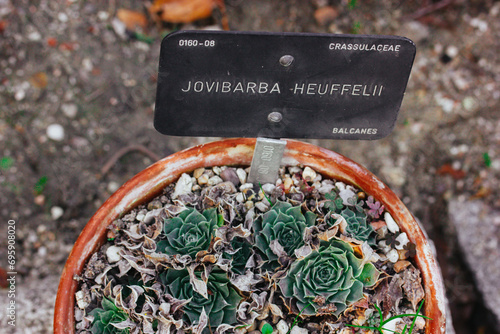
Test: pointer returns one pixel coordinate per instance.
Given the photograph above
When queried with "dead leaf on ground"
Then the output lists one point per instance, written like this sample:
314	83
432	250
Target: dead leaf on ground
447	169
39	80
132	19
185	11
412	286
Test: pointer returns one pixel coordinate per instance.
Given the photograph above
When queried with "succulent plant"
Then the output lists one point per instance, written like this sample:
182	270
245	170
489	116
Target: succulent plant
105	317
222	301
284	223
357	226
188	233
328	280
240	258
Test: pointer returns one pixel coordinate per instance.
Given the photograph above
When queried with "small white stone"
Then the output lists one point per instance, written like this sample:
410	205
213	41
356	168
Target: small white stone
391	224
309	174
69	109
403	241
282	327
326	187
299	330
103	15
214	180
262	206
420	323
294	170
79	296
393	256
20	94
56	212
34	36
268	188
140	216
62	17
55	132
390	327
217	170
203	179
183	186
246	186
345	192
240	198
249	204
113	186
452	51
242	175
113	254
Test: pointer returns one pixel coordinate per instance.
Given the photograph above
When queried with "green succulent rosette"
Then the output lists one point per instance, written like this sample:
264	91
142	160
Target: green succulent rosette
222	301
105	317
330	276
357	227
284	223
188	233
239	259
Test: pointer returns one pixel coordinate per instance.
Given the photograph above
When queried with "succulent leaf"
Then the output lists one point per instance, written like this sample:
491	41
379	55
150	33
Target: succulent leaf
220	305
357	227
105	317
243	252
332	274
285	224
188	233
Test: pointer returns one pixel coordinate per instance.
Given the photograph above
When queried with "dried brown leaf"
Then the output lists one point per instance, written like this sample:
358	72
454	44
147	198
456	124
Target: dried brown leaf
132	19
181	11
412	286
39	80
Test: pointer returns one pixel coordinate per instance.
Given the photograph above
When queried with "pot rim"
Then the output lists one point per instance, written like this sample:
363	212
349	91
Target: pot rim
239	151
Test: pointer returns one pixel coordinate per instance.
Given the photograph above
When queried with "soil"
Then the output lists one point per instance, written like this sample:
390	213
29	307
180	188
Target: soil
69	63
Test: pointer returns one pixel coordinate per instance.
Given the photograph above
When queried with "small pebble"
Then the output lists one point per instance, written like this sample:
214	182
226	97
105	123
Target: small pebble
229	174
69	109
214	180
294	170
242	175
287	183
80	300
203	179
391	224
113	186
240	198
40	200
217	170
246	186
268	188
183	186
401	265
262	206
55	132
56	212
393	256
403	241
282	327
198	172
309	174
249	204
299	330
113	254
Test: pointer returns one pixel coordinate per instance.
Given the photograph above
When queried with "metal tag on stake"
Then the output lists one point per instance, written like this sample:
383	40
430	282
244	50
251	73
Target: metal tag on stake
266	160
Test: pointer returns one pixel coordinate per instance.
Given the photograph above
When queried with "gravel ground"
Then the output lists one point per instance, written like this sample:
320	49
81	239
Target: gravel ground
75	88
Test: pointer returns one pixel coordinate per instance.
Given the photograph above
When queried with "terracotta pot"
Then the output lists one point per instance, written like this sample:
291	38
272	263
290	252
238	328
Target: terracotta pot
150	182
